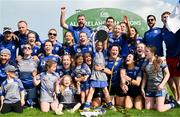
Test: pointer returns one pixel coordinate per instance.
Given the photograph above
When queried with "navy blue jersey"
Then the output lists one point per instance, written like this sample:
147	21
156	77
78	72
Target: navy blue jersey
132	43
83	49
116	72
133	74
35	50
67	49
76	30
23	37
43	59
57	48
122	43
11	45
171	42
140	61
63	71
153	37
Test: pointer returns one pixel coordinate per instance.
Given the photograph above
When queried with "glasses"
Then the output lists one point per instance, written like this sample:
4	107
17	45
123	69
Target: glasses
54	34
150	20
165	17
27	48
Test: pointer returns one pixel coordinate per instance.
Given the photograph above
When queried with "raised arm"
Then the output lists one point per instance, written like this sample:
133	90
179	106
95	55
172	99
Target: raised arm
36	78
126	21
62	18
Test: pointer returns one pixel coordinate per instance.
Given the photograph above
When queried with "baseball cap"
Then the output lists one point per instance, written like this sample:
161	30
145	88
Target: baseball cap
7	29
5	51
10	68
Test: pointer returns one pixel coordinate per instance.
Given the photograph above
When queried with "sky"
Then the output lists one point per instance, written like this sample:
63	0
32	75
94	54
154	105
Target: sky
42	15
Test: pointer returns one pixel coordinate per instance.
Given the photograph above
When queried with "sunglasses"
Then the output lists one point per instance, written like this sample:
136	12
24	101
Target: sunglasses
54	34
27	48
150	20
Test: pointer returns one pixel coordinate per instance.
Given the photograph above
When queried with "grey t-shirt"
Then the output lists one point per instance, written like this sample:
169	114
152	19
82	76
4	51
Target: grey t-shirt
68	96
48	86
11	89
154	78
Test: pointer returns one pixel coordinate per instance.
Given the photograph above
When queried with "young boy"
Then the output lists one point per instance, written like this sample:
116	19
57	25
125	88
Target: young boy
12	92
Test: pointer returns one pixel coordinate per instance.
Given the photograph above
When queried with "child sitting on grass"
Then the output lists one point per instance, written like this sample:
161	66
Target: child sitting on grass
66	95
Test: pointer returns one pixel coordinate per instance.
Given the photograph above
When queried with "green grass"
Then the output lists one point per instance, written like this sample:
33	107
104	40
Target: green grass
28	112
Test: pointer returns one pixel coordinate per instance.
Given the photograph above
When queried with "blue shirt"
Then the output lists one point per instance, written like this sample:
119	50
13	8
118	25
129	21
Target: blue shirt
57	48
43	59
83	48
153	37
171	42
63	71
11	45
116	72
133	74
122	43
76	30
23	37
67	49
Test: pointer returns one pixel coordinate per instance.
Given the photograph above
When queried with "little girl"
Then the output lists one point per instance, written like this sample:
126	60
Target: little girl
81	74
47	89
98	77
66	95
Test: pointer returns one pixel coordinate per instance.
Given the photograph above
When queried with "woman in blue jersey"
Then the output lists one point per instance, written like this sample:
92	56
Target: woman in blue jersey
66	66
68	44
47	55
130	83
113	65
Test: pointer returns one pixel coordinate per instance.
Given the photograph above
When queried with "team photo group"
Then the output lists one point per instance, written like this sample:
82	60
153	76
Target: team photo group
92	70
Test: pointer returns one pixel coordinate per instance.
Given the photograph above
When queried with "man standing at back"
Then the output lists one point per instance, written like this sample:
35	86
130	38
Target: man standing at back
153	36
23	32
81	20
172	42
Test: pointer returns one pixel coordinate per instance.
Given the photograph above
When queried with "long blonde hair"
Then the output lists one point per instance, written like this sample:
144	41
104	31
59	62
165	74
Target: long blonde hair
157	61
62	87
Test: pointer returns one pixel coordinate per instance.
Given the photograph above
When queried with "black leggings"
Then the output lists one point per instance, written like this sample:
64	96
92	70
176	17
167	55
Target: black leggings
15	107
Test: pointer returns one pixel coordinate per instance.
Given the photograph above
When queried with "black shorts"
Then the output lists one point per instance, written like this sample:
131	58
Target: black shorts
116	91
69	105
98	93
15	107
134	92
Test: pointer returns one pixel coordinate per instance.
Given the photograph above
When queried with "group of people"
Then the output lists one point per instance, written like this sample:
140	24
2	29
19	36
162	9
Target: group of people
124	70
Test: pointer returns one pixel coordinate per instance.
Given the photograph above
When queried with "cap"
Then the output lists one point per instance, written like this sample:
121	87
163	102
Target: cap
10	68
5	51
7	29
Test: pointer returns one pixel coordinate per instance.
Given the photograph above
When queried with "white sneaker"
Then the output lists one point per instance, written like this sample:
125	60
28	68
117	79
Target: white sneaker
71	111
58	112
178	102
